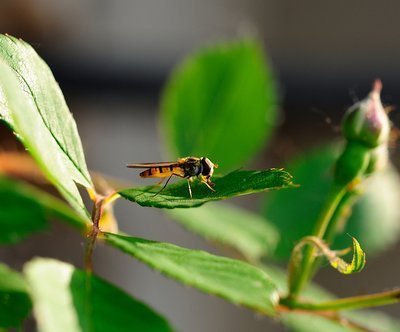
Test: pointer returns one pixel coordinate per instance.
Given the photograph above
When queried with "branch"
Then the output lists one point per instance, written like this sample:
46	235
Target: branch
347	303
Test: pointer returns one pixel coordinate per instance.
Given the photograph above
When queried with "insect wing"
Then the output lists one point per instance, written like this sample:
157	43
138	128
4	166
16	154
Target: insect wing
159	164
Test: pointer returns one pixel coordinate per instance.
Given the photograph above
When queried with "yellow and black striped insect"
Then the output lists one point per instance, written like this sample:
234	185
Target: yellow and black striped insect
187	168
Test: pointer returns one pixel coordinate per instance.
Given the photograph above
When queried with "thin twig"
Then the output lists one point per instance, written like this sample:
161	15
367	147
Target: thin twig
97	212
330	315
348	303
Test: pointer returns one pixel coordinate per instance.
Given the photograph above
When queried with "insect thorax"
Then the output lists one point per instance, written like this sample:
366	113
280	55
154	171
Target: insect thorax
192	167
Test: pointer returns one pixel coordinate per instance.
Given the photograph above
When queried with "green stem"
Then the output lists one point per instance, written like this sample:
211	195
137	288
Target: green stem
301	275
338	220
341	215
348	303
333	201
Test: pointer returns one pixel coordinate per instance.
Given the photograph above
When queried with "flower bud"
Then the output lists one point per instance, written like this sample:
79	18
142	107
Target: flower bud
366	121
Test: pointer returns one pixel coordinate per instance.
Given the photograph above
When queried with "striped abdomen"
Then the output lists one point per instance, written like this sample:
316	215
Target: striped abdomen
162	172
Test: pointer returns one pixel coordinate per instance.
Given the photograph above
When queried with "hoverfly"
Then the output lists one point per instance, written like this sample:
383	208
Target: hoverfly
187	168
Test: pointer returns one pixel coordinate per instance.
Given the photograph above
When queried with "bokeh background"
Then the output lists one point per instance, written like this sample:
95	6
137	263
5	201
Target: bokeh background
112	58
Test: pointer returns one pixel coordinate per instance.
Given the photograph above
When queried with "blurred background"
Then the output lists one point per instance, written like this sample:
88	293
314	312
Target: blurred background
111	59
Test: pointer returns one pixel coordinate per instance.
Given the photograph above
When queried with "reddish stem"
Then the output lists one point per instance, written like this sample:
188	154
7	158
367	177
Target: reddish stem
97	212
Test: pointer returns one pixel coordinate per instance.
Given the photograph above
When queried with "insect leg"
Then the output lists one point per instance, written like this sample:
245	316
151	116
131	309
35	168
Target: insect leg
205	182
190	189
169	178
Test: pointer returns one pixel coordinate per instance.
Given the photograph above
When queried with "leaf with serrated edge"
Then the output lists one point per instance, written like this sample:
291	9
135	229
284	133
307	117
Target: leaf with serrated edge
233	280
249	233
38	83
236	183
4	113
70	300
40	141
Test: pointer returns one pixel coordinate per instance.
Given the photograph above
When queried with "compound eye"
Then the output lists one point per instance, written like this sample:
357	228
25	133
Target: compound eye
206	167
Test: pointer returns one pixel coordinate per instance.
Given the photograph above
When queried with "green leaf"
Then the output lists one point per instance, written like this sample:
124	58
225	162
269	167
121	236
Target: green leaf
15	304
236	183
357	262
24	210
4	113
247	232
33	105
374	218
233	280
220	103
20	213
67	299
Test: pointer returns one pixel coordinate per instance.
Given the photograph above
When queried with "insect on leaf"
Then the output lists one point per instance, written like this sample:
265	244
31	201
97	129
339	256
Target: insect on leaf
234	184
